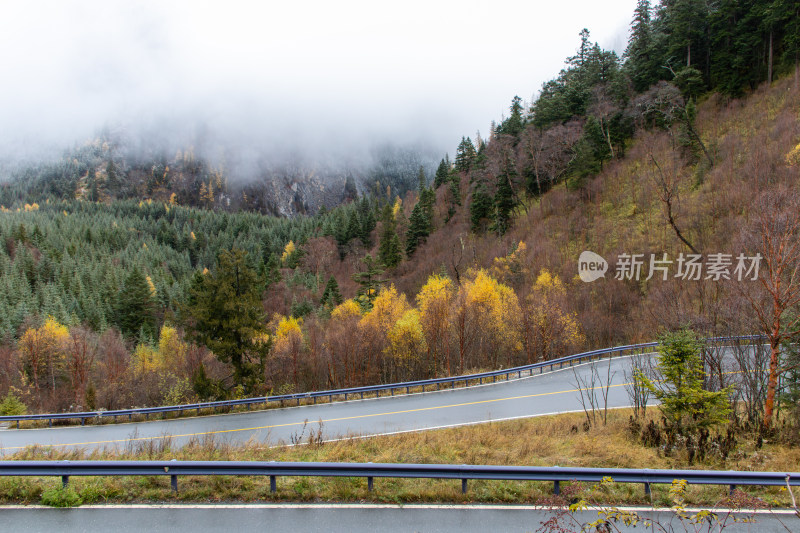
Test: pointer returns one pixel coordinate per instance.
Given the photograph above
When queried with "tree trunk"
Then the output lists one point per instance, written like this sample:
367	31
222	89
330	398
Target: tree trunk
608	139
772	381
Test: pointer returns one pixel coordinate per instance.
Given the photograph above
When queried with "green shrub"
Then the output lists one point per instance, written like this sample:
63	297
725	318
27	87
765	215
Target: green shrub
61	497
12	405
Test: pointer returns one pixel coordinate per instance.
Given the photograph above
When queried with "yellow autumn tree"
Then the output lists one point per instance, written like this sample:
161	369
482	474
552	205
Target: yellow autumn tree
288	345
387	308
486	320
512	268
549	330
288	250
406	347
145	359
342	341
347	309
171	349
434	302
43	352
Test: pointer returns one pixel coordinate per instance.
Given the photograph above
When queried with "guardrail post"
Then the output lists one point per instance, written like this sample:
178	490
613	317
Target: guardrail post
556	487
64	481
174	482
731	489
370	486
362	394
83	421
647	489
273	484
17	424
464	486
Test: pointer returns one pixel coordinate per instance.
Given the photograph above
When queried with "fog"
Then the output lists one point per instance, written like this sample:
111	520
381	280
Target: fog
318	80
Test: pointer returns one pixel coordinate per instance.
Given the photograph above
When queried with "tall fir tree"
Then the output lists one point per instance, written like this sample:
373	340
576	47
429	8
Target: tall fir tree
442	173
271	271
420	223
331	296
367	222
134	311
389	251
465	155
480	208
504	196
370	280
226	316
515	123
640	56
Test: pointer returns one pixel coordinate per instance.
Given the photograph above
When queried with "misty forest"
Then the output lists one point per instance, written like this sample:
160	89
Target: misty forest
135	276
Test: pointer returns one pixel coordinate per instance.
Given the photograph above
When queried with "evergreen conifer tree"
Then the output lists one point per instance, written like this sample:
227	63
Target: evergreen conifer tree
514	124
442	173
367	222
272	273
504	196
227	317
389	251
369	278
465	155
420	223
134	309
480	209
331	296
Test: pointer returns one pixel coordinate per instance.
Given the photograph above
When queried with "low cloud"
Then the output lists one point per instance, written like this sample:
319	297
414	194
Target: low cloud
322	81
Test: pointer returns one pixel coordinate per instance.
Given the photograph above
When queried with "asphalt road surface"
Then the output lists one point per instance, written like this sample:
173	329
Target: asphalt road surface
345	519
549	393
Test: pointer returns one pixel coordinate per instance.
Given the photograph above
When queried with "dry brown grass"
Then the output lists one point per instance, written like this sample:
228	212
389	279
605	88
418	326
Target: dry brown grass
546	441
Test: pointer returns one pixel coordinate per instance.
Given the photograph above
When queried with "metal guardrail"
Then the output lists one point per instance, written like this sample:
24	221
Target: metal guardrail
359	391
556	474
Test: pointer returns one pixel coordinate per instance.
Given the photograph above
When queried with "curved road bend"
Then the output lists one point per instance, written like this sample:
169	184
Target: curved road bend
548	393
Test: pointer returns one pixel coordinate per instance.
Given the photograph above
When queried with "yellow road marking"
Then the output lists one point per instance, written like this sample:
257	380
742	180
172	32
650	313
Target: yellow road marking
221	431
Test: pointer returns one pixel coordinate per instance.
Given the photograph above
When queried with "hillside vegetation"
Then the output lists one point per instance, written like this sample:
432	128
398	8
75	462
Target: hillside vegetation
683	146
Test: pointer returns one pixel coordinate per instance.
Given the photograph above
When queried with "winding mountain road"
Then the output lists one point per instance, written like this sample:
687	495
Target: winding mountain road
549	393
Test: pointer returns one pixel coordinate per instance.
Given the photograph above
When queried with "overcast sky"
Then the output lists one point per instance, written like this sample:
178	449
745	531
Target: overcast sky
283	74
